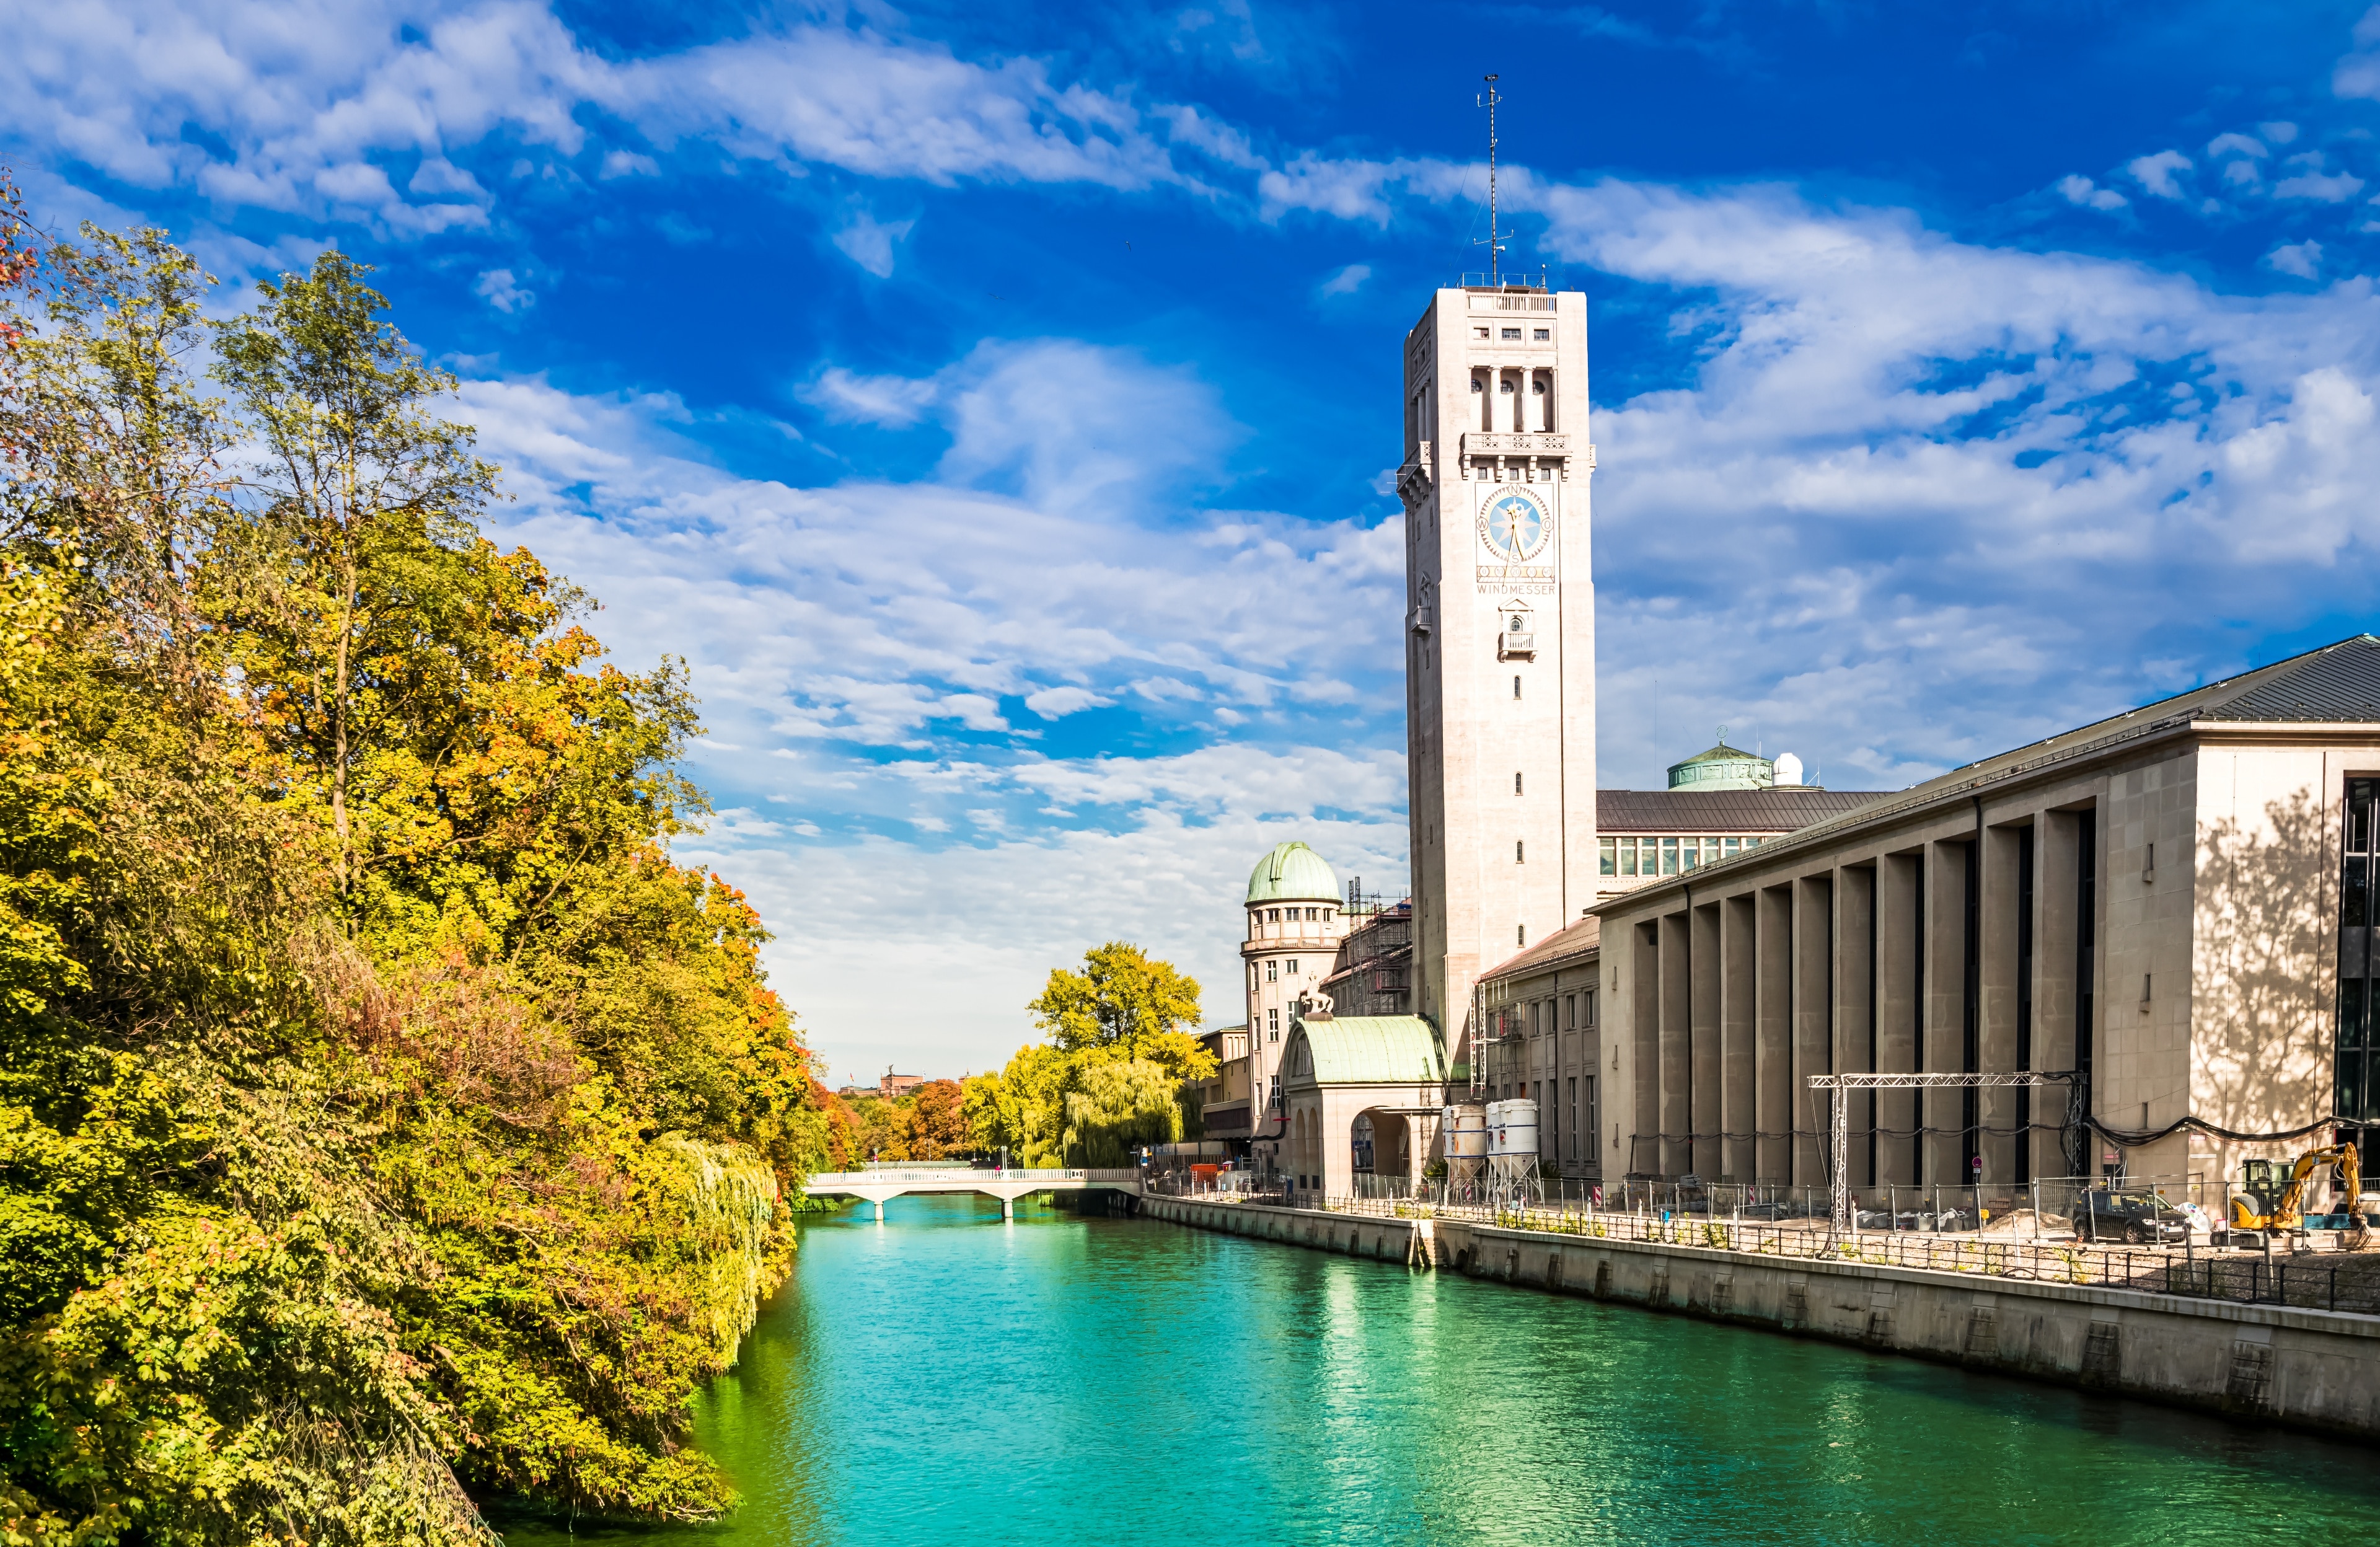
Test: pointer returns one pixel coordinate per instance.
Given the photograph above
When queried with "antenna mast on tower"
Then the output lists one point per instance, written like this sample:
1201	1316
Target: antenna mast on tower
1494	237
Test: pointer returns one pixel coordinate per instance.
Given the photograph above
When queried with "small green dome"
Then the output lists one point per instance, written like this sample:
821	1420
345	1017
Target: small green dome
1291	870
1723	767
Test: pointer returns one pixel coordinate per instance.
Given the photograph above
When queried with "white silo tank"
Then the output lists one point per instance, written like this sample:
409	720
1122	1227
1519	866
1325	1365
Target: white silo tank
1513	1128
1466	1132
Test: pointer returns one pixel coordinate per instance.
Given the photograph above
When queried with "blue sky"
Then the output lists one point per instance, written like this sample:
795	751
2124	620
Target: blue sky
993	403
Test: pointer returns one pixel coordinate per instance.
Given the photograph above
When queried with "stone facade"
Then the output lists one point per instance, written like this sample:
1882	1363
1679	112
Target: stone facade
1500	634
2153	902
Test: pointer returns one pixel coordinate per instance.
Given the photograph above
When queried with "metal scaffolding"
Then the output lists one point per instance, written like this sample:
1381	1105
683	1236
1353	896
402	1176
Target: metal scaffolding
1839	1220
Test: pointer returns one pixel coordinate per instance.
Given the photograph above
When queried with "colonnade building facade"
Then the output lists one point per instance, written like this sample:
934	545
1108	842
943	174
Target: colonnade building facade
2173	906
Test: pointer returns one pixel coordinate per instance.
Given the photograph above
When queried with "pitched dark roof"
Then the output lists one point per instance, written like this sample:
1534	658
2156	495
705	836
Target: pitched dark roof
1723	811
1562	945
2338	682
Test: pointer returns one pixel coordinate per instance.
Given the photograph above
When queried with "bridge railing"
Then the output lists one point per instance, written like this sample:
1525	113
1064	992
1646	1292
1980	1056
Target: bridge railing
952	1173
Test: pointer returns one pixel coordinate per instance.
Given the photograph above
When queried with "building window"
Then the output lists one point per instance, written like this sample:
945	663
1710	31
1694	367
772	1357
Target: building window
1477	333
1590	1009
1729	846
1520	934
1272	972
1519	855
1516	783
1668	856
1592	1124
2356	1094
1544	334
1516	685
1272	1023
1512	332
1607	861
1292	967
1574	1119
1627	856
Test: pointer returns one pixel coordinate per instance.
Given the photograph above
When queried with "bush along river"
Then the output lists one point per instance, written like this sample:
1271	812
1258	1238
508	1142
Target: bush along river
946	1379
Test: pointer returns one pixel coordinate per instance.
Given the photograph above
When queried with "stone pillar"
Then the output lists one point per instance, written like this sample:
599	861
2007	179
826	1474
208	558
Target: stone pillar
1776	1033
880	1210
1996	935
1739	1113
1703	1054
1945	1011
1854	903
1007	1209
1896	1010
1677	1099
1813	1026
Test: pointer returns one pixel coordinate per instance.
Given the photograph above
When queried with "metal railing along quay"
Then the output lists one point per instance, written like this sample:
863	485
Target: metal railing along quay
2334	1280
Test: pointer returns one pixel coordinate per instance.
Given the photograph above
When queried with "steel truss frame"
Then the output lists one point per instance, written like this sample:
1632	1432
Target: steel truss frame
1839	1220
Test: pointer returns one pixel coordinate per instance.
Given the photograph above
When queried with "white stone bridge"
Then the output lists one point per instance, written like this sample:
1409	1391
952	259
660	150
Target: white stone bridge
885	1182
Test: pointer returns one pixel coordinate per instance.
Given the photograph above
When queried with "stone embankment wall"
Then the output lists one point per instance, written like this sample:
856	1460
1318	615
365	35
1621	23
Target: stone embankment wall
2309	1368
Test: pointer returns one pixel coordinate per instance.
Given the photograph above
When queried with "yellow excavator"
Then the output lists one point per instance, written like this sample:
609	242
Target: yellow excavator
2284	1214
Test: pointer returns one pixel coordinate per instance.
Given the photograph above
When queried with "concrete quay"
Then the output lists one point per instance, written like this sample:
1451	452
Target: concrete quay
2313	1370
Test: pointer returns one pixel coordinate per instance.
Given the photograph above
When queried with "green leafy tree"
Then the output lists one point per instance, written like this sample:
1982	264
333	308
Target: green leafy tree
386	1120
1124	1005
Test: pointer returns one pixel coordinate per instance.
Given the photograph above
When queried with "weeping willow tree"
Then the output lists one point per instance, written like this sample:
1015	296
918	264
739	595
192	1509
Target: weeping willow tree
1111	1076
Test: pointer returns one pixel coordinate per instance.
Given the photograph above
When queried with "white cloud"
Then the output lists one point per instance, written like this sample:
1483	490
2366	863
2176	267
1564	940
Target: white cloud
2284	132
895	402
1347	281
2082	190
2236	144
2301	259
318	108
2329	187
499	290
2156	172
868	242
832	628
1056	703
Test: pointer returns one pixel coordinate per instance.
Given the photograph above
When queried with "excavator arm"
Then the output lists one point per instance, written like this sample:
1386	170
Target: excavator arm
2287	1215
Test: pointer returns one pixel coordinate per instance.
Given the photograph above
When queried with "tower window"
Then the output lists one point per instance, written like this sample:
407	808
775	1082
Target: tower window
1272	972
1292	967
1478	333
1516	783
1520	934
1519	855
1544	334
1511	333
1516	687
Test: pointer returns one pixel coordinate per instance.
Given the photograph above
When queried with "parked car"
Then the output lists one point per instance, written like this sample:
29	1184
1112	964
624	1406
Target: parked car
2142	1218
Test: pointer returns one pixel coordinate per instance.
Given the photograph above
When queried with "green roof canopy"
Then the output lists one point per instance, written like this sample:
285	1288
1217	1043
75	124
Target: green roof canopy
1293	871
1375	1050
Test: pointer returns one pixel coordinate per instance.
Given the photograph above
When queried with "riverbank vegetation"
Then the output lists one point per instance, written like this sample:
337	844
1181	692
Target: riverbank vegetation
923	1124
1111	1072
386	1122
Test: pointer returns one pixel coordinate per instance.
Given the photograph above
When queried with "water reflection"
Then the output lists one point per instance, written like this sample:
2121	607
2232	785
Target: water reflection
947	1378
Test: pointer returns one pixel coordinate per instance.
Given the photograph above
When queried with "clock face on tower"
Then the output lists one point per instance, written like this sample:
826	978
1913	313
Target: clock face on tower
1513	526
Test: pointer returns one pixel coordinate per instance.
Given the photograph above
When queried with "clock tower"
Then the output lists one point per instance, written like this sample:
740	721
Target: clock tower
1499	635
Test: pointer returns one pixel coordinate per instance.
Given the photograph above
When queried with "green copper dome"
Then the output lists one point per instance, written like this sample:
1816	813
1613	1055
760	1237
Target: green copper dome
1723	767
1293	871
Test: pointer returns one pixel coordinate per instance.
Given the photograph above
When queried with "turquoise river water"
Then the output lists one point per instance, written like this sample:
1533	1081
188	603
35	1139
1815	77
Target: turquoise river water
946	1379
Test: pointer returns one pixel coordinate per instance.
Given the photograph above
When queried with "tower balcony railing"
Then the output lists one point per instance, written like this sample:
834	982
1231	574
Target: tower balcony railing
1505	442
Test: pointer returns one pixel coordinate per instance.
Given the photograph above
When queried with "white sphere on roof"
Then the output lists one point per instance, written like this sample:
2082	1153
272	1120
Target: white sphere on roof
1292	873
1789	769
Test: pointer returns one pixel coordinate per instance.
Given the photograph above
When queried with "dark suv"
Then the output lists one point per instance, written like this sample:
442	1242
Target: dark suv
2142	1218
